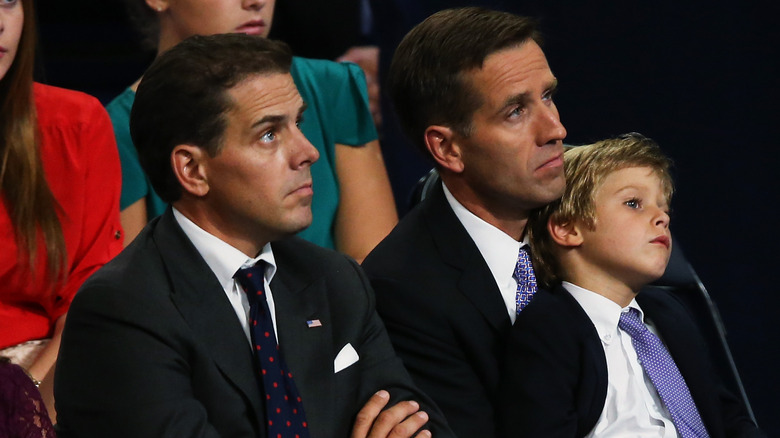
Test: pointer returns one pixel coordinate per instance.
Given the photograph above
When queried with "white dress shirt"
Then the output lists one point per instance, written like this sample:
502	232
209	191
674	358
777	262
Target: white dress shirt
497	248
225	260
632	407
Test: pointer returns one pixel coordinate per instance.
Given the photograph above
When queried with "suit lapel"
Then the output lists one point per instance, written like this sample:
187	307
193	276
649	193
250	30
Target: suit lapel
308	351
592	391
458	250
202	303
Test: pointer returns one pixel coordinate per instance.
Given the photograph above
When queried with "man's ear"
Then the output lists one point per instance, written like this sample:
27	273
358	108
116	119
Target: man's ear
440	144
157	5
566	234
189	166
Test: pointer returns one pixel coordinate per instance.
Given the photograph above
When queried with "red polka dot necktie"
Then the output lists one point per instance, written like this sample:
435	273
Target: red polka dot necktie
284	409
526	279
663	372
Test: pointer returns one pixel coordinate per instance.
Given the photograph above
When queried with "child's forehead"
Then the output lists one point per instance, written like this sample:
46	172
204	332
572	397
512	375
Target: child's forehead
636	168
632	176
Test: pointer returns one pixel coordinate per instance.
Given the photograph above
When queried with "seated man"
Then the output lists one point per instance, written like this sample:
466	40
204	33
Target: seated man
212	323
475	93
594	357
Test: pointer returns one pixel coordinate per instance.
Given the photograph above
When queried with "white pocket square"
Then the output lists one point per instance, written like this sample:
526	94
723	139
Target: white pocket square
346	357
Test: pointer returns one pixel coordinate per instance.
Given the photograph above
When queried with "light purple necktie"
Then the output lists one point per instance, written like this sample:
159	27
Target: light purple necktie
526	280
666	377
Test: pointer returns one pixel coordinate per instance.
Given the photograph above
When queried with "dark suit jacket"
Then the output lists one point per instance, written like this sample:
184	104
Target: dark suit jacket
152	347
555	382
444	313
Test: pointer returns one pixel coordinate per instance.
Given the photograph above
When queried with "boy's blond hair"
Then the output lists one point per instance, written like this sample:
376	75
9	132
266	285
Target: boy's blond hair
586	167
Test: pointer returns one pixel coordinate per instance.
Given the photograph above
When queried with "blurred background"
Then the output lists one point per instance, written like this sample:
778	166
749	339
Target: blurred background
698	77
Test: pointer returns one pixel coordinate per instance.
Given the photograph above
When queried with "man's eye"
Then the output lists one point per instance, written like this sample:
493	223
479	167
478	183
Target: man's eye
549	94
268	137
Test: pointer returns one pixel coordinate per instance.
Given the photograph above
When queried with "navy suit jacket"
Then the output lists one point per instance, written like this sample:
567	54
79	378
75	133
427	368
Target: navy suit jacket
444	313
555	383
153	348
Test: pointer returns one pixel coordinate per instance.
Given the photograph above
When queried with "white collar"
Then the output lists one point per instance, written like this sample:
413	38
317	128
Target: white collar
603	312
497	248
223	259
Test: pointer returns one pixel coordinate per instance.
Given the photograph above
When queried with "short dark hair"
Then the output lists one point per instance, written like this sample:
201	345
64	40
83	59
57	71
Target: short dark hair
183	99
427	81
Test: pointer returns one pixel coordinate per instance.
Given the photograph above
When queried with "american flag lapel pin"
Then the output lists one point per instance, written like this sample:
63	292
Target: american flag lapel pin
311	323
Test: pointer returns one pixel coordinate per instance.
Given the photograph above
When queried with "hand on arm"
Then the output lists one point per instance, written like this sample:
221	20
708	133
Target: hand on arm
402	420
396	410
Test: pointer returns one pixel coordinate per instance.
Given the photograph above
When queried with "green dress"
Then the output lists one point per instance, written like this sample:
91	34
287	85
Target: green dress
337	113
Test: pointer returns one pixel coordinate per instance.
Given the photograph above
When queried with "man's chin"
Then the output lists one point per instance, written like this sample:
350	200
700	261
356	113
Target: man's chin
295	228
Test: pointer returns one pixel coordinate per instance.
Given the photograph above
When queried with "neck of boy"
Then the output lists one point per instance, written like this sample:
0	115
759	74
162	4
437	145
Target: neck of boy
605	285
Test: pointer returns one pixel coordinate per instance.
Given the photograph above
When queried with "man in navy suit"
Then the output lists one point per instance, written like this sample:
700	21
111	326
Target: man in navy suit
474	92
159	344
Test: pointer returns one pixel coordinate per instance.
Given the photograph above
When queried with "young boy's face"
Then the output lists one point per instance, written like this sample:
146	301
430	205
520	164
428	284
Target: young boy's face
631	242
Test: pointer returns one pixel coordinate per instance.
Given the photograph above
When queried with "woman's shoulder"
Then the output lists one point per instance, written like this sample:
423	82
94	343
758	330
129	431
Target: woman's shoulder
56	105
324	71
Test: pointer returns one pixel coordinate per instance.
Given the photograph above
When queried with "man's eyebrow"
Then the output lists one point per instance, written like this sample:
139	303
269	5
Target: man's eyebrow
516	100
522	99
277	118
552	87
271	119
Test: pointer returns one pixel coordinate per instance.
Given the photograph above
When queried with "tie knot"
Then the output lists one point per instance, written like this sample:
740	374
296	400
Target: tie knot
526	280
631	323
524	269
251	280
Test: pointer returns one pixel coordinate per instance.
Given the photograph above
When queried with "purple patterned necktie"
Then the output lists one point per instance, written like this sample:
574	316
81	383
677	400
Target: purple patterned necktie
663	372
284	409
526	280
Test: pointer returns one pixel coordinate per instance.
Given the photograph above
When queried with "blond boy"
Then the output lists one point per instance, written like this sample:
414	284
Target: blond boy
593	357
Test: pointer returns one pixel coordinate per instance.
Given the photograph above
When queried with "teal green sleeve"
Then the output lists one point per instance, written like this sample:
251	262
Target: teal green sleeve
135	184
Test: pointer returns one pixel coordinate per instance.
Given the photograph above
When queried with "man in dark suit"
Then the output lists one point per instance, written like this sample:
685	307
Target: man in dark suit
164	341
474	92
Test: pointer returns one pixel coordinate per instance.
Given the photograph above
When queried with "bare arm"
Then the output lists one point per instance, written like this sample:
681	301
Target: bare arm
133	219
366	212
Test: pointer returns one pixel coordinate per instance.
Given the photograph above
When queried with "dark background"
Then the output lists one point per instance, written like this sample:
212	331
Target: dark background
698	77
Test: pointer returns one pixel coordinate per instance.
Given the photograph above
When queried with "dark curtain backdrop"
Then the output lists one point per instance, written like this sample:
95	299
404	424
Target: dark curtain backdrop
698	77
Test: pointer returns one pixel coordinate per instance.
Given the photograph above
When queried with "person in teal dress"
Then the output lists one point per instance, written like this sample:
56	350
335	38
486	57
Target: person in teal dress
353	204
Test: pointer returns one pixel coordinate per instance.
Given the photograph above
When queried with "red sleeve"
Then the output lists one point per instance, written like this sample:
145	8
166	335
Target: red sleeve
96	235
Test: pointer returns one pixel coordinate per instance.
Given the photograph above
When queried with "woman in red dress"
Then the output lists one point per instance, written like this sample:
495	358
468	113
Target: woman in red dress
59	185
